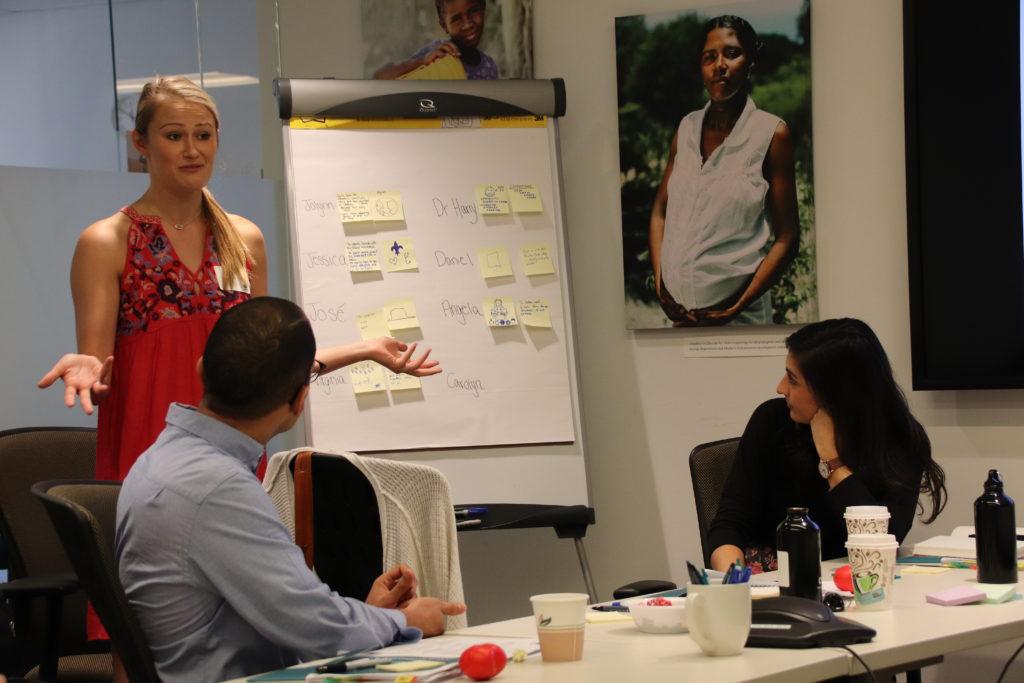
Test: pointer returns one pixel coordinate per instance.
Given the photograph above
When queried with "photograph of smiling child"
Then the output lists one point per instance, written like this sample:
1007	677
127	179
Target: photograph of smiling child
717	205
463	21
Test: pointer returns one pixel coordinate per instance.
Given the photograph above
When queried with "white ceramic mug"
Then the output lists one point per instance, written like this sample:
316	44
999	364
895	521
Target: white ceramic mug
873	565
718	616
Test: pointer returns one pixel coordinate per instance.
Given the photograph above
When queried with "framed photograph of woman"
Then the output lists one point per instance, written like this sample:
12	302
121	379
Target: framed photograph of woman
716	165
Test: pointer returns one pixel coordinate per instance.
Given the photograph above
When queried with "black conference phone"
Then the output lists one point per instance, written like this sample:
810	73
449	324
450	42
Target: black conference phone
798	622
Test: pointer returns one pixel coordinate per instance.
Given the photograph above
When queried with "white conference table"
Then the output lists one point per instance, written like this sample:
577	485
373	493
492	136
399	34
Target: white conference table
912	631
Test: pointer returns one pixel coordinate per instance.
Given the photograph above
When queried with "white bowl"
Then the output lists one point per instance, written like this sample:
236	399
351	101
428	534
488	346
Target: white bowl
659	618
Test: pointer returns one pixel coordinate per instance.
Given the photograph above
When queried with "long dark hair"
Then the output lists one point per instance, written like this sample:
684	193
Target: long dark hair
849	374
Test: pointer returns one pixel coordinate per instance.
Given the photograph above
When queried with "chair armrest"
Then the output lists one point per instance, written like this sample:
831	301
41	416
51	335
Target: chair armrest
644	587
48	585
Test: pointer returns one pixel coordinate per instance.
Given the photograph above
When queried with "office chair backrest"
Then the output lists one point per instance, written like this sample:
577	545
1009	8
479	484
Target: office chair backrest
85	515
27	456
710	464
348	552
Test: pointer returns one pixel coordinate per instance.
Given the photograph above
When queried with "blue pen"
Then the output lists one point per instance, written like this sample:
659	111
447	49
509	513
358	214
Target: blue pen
470	511
727	577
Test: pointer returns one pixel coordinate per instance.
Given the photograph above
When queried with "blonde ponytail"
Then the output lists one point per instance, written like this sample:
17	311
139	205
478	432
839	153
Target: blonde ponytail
231	248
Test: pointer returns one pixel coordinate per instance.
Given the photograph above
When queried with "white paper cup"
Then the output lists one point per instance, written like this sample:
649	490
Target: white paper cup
560	619
718	616
873	564
867	519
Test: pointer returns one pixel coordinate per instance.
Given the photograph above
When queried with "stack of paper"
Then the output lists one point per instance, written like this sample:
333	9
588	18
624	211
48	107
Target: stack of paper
959	544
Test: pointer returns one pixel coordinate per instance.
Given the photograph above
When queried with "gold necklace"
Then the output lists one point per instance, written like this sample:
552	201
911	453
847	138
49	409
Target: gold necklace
181	226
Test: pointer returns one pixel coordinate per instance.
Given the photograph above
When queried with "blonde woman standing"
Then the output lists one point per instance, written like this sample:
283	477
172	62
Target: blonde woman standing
150	281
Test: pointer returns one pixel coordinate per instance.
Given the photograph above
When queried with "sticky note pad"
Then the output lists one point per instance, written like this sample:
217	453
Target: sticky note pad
367	377
372	325
500	312
998	592
493	262
537	259
525	198
492	200
535	312
385	205
401	381
361	256
593	617
399	254
401	315
354	207
958	595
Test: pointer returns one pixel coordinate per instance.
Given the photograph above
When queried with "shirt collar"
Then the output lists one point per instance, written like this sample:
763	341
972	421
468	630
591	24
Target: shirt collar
227	439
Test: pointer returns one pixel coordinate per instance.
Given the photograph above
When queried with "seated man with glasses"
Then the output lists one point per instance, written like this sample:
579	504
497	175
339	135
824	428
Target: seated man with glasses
218	585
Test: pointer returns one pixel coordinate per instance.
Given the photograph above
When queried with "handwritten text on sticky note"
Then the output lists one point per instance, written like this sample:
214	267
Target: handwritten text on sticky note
525	198
537	259
492	200
372	325
361	256
367	377
535	312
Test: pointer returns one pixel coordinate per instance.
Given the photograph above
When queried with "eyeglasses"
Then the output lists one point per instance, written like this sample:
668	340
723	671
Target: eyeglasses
317	370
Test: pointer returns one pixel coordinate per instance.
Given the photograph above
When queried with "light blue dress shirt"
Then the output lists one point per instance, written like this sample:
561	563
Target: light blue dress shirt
218	585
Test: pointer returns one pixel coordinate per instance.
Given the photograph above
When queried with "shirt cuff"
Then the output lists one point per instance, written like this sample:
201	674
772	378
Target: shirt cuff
406	634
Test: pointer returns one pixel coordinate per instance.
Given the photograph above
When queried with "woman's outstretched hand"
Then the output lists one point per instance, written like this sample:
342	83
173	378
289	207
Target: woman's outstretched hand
83	375
397	357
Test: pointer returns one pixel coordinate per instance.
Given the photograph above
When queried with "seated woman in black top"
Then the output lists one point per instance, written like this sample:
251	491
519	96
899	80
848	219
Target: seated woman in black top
842	435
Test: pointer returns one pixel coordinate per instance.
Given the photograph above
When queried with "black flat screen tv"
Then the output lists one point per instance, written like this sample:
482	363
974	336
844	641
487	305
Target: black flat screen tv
962	69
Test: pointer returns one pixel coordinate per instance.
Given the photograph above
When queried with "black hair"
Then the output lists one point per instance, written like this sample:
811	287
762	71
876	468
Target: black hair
439	5
849	375
745	33
258	357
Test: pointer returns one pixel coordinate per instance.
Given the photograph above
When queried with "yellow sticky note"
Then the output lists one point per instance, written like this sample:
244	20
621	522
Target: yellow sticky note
401	315
494	262
367	377
525	198
537	259
399	255
492	200
372	325
409	665
535	312
386	205
500	312
361	256
354	207
401	381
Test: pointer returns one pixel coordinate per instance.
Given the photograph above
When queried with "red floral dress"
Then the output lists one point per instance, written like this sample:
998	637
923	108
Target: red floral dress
165	314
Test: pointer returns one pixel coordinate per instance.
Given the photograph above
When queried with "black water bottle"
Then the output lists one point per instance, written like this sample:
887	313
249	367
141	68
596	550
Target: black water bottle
995	533
798	542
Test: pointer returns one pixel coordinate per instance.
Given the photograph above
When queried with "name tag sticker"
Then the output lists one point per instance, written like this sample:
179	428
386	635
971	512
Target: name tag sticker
233	286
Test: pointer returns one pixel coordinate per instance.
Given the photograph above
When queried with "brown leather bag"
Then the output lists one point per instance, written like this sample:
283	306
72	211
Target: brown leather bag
303	478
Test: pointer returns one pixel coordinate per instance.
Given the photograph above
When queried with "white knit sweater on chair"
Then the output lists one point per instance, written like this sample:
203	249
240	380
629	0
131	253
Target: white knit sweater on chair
417	519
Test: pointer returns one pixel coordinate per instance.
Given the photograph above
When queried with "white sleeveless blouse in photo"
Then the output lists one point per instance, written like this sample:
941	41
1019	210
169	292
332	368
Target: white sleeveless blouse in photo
716	224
